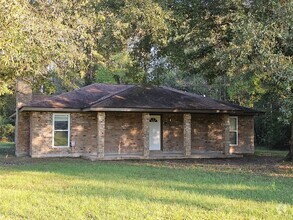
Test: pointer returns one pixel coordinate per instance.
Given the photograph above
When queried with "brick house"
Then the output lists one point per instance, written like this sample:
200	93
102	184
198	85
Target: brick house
103	121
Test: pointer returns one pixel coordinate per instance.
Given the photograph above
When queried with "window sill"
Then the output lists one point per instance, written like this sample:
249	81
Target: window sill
60	146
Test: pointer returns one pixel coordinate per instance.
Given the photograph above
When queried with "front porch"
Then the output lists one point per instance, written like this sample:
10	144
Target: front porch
118	139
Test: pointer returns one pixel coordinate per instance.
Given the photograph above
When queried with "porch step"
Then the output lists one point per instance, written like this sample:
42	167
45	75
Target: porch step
161	156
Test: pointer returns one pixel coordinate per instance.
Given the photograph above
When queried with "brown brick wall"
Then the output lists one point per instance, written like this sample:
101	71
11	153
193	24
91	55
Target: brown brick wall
207	132
22	134
41	133
83	132
22	126
23	93
123	133
172	132
245	135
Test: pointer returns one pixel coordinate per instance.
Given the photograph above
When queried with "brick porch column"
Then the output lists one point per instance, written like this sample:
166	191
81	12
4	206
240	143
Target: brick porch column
22	133
187	134
145	134
226	134
101	133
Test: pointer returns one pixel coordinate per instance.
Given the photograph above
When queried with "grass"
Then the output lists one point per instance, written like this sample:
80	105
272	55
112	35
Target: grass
78	189
262	151
6	148
6	145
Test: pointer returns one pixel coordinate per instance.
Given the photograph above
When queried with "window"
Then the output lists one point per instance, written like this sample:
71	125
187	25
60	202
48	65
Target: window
233	130
153	120
61	131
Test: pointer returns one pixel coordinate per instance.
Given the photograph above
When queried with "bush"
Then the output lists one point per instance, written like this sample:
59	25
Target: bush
6	130
271	132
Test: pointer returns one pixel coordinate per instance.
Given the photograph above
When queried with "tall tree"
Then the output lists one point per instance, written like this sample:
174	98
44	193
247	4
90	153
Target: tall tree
248	43
45	40
136	30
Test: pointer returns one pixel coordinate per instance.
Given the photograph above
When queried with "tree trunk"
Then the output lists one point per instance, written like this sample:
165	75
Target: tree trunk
291	144
89	78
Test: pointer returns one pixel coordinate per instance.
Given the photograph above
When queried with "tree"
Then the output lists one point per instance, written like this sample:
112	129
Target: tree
46	40
68	41
236	50
135	28
247	43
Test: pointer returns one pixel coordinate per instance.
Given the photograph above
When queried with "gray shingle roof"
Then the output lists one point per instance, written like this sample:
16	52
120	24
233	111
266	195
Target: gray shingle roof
80	98
96	97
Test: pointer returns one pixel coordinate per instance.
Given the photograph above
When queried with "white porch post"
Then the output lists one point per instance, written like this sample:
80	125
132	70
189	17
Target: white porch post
187	134
101	133
145	135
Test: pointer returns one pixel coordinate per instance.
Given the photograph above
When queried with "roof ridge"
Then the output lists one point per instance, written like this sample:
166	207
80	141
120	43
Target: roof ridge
236	105
110	95
74	90
209	98
227	103
182	92
64	93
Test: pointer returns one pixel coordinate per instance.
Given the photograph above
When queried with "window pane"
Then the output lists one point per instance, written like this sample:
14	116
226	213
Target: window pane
61	138
60	117
233	138
233	125
61	125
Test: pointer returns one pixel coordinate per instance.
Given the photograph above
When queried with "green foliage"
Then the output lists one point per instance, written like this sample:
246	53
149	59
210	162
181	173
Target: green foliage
235	50
248	46
7	108
6	129
45	40
198	84
45	37
103	75
241	41
134	29
117	70
272	132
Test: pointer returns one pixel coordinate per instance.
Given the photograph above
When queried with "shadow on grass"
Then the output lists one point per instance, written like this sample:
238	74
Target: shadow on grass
122	180
7	149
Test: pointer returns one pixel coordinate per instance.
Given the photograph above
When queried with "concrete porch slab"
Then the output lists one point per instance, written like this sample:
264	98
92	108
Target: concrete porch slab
161	156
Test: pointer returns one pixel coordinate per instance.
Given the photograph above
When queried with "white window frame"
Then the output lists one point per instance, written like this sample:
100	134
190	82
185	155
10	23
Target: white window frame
236	131
68	130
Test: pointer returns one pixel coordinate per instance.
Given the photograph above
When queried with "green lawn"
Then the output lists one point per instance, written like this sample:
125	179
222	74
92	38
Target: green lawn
6	145
76	189
262	151
6	148
79	189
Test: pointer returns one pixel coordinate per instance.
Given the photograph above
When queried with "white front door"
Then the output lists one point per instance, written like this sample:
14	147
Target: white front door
155	132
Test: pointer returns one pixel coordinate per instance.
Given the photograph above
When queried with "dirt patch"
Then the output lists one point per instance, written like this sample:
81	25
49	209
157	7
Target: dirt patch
11	160
264	165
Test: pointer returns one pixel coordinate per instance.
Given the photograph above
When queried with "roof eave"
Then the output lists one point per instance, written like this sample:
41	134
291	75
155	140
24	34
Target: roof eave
205	111
42	109
151	110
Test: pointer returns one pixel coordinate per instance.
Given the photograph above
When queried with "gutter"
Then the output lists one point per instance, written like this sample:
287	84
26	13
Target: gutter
12	116
152	110
30	109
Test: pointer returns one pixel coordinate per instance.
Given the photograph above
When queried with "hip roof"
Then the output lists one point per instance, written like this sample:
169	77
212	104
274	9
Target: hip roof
106	97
